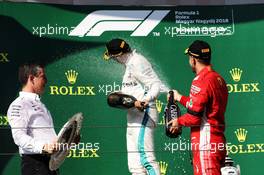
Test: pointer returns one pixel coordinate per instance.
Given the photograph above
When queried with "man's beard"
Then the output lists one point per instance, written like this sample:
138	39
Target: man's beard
193	69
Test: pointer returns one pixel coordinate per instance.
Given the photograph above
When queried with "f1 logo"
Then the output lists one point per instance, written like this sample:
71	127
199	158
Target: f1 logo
142	22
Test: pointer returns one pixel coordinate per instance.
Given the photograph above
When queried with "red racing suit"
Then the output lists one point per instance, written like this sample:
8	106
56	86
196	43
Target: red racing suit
206	107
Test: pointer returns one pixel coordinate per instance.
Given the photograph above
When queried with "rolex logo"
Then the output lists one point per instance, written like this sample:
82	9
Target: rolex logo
162	121
72	90
4	57
245	87
3	121
163	167
71	76
159	105
241	134
236	74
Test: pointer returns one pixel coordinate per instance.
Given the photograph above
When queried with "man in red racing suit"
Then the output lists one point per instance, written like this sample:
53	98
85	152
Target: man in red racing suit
206	106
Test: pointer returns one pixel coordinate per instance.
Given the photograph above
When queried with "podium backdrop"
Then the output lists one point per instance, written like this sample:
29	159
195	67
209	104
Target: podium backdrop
70	40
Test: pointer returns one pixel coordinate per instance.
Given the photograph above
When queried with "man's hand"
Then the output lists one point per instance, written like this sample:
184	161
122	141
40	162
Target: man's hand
141	105
177	95
50	148
174	126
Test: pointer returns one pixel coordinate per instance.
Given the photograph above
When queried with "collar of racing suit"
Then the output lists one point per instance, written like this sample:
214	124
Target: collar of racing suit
128	57
29	95
204	70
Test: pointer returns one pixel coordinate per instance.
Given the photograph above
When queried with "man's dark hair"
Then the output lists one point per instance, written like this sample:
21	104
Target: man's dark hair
28	69
205	62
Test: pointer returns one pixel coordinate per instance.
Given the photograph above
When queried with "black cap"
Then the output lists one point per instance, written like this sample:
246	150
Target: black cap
200	50
116	47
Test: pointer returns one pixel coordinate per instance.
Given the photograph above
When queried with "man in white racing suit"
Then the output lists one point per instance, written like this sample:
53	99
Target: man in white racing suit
31	122
142	82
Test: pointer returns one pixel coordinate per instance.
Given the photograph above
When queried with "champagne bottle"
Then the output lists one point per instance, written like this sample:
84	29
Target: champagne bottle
172	111
122	101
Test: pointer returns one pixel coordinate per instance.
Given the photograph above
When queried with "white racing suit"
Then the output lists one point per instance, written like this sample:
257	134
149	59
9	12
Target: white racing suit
31	123
141	82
